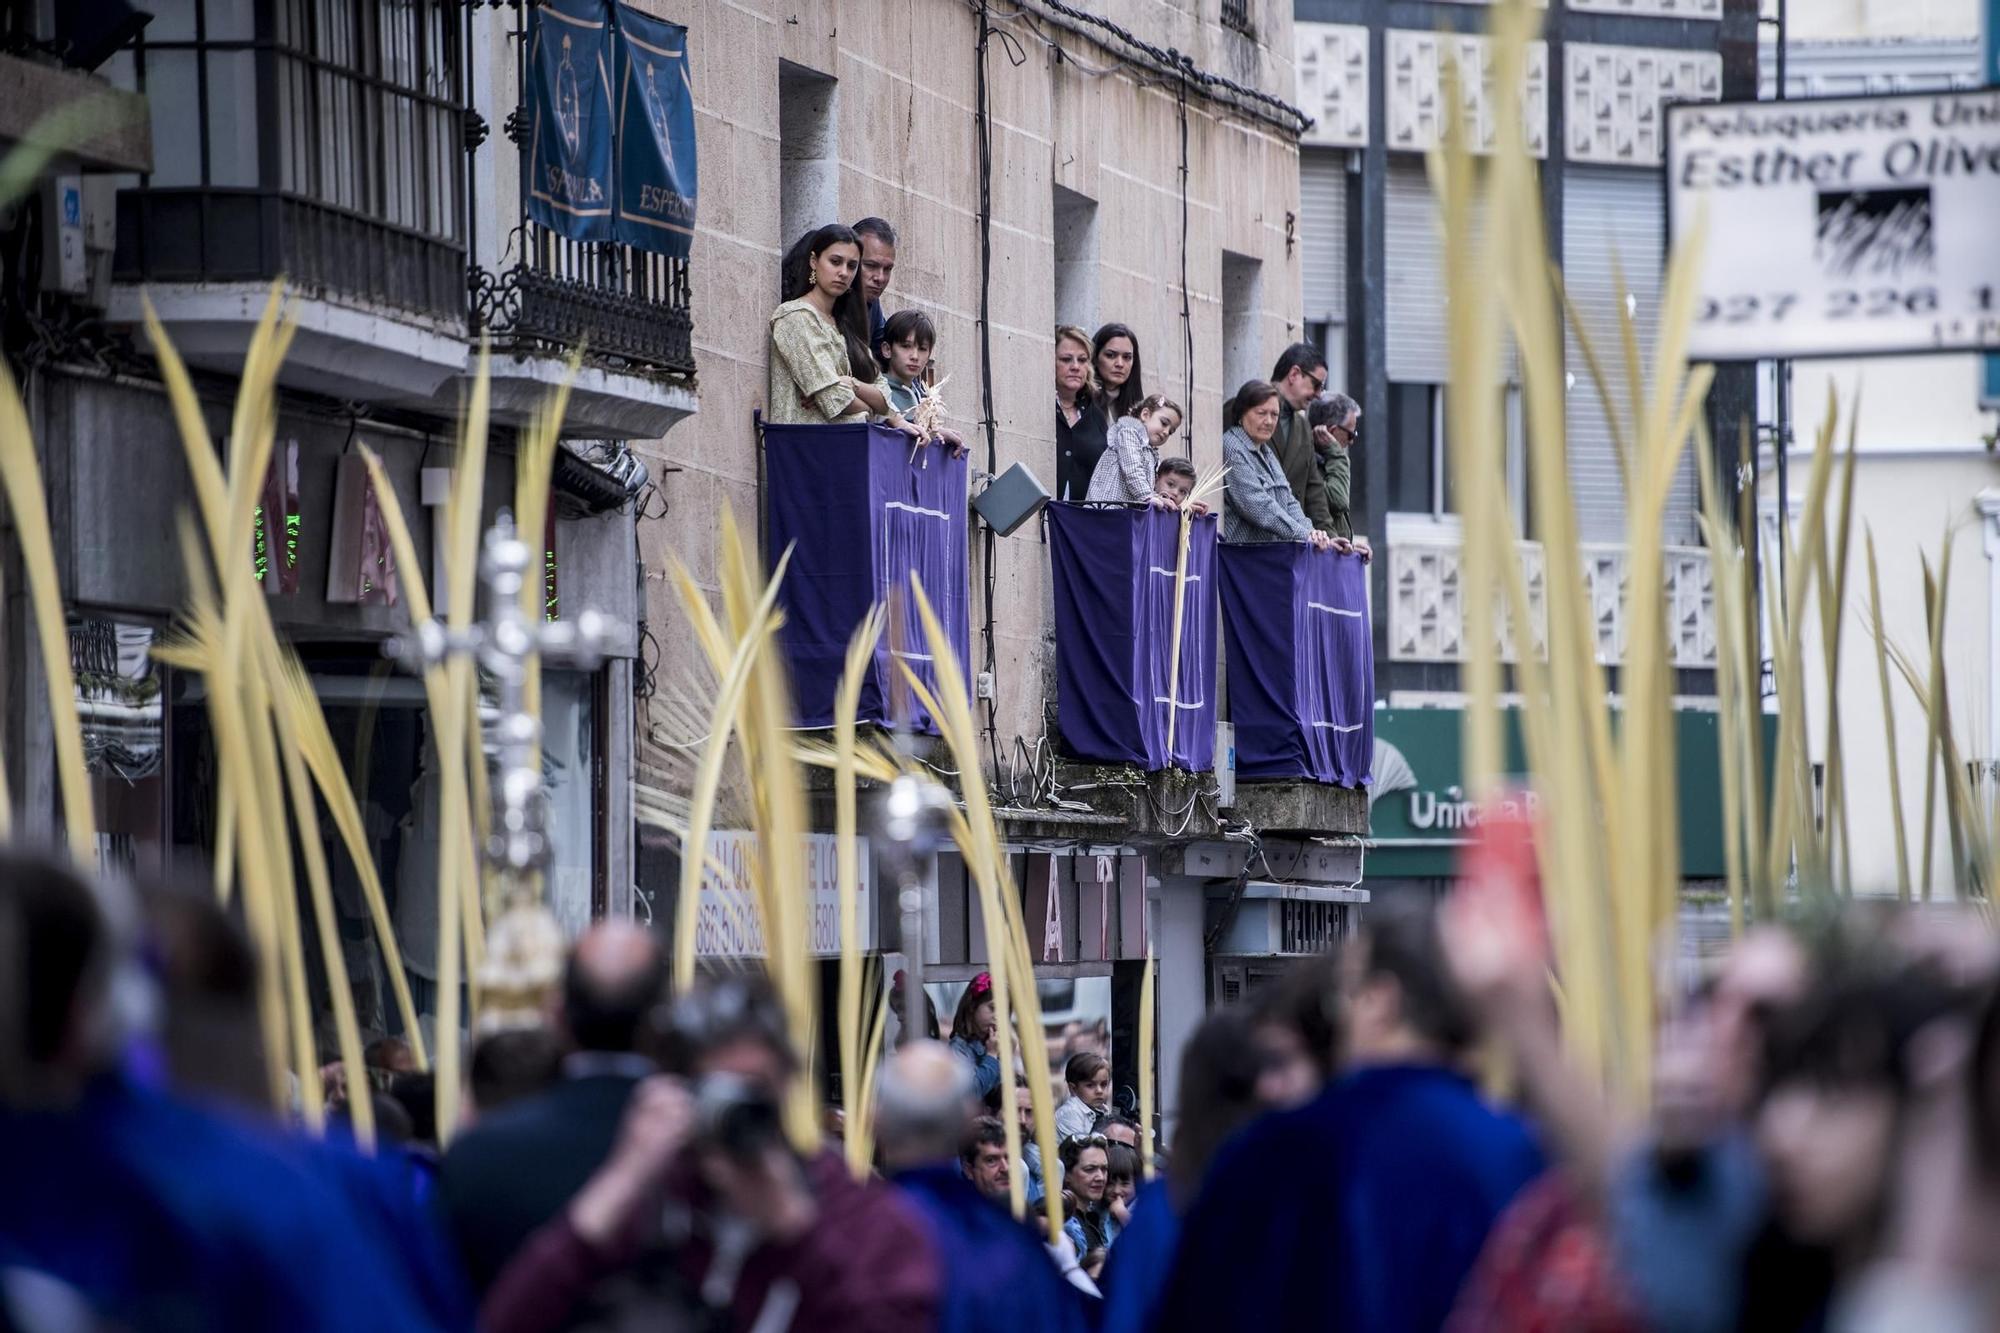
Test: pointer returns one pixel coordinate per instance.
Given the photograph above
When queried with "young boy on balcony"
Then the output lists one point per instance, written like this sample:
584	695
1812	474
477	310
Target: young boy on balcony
905	354
1174	481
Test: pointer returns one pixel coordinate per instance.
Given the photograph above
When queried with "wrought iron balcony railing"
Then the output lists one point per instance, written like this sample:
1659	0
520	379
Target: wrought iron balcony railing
617	301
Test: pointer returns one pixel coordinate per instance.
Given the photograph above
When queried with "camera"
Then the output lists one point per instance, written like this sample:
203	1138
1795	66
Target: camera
736	1118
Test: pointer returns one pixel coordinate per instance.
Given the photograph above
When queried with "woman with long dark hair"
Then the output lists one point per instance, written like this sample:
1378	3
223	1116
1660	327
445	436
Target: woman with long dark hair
1081	427
822	369
1121	383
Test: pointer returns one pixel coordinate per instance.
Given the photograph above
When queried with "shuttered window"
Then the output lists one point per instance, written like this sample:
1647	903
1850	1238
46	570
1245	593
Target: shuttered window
1612	216
1415	313
1323	234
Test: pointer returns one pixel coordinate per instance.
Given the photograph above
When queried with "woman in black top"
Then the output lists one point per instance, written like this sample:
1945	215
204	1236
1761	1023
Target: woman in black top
1081	426
1114	355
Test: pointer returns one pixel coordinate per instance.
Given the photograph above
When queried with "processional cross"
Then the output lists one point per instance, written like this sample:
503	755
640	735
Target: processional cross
525	946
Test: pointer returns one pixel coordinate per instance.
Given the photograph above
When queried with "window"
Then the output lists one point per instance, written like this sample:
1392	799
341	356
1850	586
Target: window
808	151
1420	479
327	129
1076	258
366	114
1242	350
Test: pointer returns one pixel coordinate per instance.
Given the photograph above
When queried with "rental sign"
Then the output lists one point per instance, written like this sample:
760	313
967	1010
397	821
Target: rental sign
1841	227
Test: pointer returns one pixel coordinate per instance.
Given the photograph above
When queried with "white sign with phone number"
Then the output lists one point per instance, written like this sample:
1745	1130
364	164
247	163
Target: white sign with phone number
726	916
1839	227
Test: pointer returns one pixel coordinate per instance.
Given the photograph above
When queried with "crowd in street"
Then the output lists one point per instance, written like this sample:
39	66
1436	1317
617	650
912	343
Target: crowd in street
836	357
1394	1137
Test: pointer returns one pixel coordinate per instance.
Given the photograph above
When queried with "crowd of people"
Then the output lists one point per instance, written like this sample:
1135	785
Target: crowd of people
835	356
1391	1138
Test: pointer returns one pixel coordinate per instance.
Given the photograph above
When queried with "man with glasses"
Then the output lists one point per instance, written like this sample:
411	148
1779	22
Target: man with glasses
1301	377
1336	427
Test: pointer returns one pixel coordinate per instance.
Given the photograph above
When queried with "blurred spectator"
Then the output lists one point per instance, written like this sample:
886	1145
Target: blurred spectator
1088	1075
508	1067
207	976
1373	1199
704	1197
1297	1033
515	1169
1218	1095
983	1159
972	1033
1086	1183
158	1213
931	1031
998	1275
1121	1129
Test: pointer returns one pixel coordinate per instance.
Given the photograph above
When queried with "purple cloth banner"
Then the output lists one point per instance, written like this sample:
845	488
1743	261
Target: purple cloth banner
1114	578
862	510
1301	662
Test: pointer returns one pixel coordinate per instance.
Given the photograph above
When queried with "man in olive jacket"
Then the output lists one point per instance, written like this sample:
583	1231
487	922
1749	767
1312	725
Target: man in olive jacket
1301	376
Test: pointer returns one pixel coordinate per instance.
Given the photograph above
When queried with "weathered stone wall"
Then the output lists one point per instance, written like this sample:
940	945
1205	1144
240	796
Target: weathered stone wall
907	151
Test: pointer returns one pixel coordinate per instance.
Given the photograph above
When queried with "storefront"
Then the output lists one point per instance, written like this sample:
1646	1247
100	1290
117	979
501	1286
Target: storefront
1420	814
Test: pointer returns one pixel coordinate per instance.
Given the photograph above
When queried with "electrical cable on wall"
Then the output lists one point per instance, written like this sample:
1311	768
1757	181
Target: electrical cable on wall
1187	317
1250	101
983	127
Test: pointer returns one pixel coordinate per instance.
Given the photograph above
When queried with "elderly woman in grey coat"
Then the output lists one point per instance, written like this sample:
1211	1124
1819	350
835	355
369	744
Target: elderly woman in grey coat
1258	504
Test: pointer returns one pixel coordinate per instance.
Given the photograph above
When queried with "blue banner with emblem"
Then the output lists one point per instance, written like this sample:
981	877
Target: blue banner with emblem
656	149
571	149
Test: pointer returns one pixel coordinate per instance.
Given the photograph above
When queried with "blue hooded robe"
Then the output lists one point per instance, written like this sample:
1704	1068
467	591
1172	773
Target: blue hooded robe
1362	1210
998	1278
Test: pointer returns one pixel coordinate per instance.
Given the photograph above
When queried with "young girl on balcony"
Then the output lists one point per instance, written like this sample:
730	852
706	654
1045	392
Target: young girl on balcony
1132	454
821	370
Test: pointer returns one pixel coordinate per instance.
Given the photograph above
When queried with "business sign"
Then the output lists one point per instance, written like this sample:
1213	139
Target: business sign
1420	813
1842	226
726	917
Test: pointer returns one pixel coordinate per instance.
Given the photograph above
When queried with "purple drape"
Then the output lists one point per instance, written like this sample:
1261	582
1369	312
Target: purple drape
1301	662
862	510
1114	581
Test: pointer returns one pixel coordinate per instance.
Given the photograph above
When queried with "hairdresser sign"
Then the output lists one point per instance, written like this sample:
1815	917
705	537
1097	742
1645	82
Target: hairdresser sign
1841	227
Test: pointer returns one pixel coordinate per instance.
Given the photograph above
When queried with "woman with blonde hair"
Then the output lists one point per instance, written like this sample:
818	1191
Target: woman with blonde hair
1081	428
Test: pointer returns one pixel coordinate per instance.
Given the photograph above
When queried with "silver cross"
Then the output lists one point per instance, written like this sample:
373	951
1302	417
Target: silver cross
503	645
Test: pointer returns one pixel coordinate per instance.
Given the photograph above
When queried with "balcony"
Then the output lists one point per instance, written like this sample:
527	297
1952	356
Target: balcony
1427	608
327	146
628	309
538	293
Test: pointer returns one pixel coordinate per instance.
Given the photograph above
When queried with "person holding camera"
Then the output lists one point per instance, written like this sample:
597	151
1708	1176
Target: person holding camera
706	1212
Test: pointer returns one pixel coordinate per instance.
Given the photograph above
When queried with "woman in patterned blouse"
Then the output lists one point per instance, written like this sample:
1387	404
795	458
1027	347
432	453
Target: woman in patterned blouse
821	367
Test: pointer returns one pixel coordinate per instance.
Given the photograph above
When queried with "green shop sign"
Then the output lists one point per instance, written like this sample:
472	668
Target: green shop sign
1420	813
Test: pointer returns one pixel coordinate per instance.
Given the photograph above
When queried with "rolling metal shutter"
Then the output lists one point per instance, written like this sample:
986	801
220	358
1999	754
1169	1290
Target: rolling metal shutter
1323	233
1613	214
1415	305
